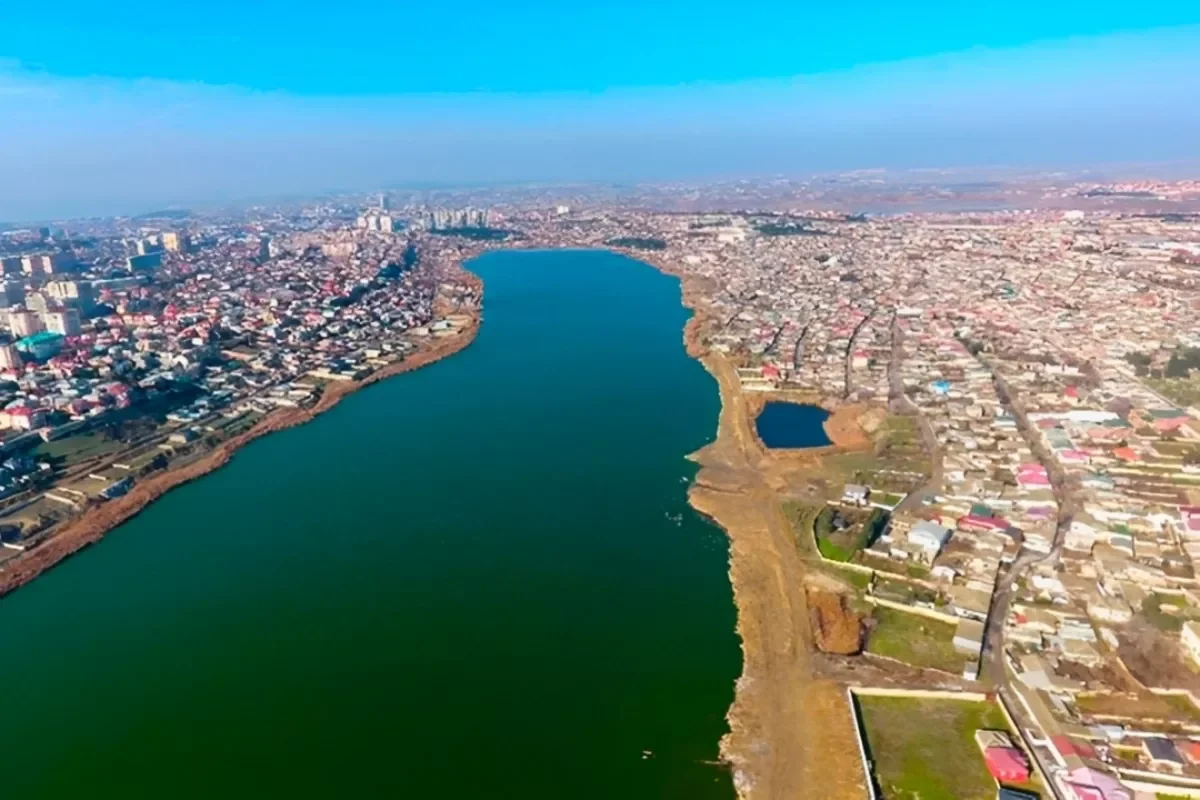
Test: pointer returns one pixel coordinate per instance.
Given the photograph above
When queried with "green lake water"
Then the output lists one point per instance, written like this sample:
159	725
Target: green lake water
467	581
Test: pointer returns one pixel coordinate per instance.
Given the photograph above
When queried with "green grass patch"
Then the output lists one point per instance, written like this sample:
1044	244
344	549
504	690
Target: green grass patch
1164	621
1183	704
862	528
849	467
834	545
897	446
859	581
919	571
878	562
925	749
914	639
902	591
832	551
1184	391
802	517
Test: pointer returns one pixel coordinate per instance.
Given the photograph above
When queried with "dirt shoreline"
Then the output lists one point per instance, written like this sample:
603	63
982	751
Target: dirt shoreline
790	732
97	522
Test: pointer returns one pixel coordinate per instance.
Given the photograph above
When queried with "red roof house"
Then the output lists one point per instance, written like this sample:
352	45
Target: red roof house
976	522
1190	750
1126	454
1006	764
1066	746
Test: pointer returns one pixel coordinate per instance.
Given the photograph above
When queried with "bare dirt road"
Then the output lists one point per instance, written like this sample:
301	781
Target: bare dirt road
790	732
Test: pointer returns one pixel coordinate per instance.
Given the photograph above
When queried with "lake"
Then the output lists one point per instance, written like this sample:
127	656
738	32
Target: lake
479	579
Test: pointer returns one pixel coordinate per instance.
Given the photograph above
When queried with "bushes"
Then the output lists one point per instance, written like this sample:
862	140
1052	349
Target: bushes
858	533
873	528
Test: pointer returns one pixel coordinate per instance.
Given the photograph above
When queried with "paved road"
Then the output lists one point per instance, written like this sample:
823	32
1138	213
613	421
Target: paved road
849	359
993	646
992	668
898	403
1008	696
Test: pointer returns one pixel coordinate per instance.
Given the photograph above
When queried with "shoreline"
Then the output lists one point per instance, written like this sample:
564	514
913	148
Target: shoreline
784	736
789	731
96	523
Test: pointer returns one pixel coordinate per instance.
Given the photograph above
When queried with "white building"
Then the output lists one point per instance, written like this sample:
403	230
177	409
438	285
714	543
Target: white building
930	537
854	494
65	322
1189	637
24	323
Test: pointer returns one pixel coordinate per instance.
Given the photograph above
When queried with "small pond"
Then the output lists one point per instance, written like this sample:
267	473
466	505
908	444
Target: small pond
786	425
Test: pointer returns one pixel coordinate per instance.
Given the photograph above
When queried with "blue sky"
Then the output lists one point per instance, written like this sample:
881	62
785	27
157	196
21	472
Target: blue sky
118	106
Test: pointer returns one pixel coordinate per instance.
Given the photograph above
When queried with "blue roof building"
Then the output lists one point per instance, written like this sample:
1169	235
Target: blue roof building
41	346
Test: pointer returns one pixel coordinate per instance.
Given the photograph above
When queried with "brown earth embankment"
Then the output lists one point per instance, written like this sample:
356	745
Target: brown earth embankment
790	731
96	522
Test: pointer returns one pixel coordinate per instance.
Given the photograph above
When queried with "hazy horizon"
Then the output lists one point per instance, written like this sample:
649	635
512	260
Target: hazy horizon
111	114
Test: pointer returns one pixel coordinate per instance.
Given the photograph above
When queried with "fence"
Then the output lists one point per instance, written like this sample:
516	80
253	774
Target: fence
942	616
853	692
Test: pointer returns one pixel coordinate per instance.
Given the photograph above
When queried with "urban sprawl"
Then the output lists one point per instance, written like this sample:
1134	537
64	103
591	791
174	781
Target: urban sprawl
1022	526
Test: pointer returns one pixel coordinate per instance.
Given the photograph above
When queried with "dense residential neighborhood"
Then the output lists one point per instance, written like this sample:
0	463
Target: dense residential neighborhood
1043	353
1022	517
112	370
1047	363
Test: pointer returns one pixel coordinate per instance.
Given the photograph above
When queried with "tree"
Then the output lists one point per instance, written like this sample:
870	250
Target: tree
824	522
1177	368
1138	359
1183	361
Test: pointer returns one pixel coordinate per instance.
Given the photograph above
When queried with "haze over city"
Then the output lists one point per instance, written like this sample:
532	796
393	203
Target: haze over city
135	105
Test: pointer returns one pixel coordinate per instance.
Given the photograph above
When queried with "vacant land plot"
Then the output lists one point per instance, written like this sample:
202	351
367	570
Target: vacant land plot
37	515
914	639
802	517
900	446
896	464
853	467
1182	705
889	499
900	591
1143	706
1184	391
1167	612
80	447
925	749
1175	450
